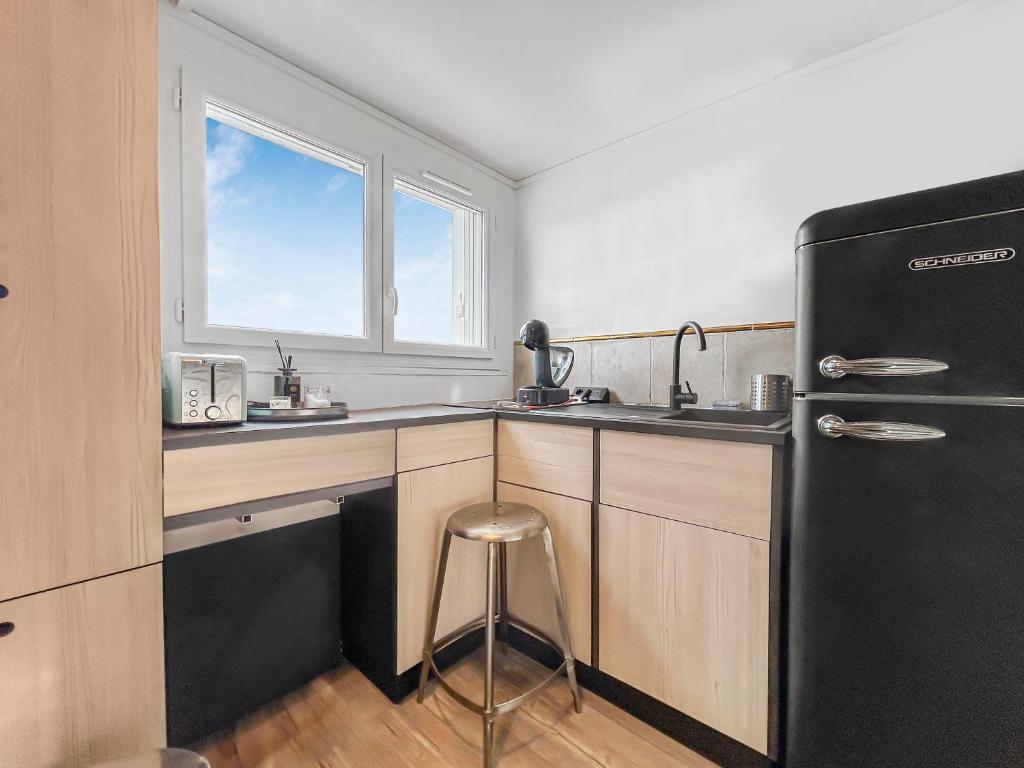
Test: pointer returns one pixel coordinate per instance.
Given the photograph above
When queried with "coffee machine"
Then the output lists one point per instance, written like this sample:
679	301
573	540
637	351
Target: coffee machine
551	366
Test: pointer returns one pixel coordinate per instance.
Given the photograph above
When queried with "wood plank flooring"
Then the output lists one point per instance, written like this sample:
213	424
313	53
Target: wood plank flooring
341	721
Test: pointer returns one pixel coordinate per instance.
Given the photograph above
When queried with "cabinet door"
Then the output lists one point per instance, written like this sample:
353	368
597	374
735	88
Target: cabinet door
426	498
79	330
83	672
529	587
684	618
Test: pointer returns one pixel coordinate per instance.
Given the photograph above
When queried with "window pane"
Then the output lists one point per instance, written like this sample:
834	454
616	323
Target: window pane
284	235
424	267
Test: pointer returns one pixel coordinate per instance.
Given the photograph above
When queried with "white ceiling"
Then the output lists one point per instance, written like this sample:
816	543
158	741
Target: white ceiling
523	86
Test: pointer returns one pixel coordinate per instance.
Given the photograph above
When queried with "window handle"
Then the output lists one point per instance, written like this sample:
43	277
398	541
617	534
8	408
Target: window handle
393	293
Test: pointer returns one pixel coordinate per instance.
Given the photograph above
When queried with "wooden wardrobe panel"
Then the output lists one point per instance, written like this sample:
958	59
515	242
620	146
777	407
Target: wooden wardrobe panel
684	618
529	586
548	457
218	475
718	484
80	330
434	444
83	672
426	499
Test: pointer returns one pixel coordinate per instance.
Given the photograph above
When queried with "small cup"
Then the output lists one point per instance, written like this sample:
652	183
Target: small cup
317	396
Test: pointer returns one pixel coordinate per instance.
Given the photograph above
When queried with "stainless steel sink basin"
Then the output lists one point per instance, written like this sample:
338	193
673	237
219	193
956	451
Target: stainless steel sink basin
708	416
723	416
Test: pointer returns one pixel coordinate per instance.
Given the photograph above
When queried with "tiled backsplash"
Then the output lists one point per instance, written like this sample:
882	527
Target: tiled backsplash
640	370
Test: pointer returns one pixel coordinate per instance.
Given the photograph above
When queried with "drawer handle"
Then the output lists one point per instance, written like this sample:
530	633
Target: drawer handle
891	431
6	627
836	366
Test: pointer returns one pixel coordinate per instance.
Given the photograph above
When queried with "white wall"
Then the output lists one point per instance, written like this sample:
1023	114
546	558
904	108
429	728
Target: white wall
364	380
695	219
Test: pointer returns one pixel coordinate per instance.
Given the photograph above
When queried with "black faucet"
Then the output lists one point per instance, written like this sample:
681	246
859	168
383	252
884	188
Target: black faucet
676	397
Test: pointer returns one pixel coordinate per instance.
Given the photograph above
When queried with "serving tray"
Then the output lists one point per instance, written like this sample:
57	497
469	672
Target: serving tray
261	411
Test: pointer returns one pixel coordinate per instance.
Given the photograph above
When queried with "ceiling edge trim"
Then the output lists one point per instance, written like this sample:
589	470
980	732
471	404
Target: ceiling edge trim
197	20
834	59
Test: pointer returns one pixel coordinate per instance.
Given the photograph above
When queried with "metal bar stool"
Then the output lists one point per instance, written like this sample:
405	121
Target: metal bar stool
497	523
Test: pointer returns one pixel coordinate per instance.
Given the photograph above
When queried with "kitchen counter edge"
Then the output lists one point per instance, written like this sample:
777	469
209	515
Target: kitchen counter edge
423	415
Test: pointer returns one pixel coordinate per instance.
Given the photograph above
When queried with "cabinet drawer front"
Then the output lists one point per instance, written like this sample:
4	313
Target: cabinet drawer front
717	484
684	618
435	444
530	595
548	457
214	476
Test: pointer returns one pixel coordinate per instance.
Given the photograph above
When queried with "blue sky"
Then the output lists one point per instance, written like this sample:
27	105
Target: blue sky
285	244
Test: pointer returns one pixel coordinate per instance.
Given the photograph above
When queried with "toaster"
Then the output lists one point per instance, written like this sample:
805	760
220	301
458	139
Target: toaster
203	389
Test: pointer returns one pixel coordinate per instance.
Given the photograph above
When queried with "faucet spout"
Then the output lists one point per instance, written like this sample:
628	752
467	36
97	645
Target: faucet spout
677	397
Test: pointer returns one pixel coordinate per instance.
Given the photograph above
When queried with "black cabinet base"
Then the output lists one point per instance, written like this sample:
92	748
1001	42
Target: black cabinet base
692	733
397	687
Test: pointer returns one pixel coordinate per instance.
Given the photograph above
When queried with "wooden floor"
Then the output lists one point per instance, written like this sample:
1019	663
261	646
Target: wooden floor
341	721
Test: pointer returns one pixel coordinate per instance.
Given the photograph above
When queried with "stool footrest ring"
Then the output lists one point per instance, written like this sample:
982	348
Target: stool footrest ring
513	703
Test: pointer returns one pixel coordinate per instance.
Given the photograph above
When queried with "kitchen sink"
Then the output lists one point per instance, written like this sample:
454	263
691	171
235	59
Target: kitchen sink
723	416
709	416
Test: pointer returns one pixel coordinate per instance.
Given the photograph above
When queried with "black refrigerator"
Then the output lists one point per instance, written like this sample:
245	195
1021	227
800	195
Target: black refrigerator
905	619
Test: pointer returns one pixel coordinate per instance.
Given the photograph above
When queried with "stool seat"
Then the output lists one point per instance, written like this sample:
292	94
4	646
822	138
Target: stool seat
497	522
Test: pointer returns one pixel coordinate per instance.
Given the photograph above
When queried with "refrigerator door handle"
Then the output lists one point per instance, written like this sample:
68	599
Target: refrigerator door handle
891	431
836	366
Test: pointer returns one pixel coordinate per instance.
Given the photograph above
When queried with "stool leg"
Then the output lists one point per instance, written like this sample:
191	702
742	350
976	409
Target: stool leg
503	612
492	588
435	607
570	662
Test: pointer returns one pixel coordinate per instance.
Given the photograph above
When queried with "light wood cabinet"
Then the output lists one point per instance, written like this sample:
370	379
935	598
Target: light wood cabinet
79	330
548	457
714	483
529	586
218	475
434	444
83	672
426	498
684	618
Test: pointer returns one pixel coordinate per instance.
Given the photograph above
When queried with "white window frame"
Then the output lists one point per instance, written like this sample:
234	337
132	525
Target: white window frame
477	304
277	119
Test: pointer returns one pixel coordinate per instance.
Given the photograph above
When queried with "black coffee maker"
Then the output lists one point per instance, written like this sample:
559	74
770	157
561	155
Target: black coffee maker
551	367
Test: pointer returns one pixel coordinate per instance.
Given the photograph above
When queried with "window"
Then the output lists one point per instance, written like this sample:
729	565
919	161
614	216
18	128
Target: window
438	269
284	230
310	221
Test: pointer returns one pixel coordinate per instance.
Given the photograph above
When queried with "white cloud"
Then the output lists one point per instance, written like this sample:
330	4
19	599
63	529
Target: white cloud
228	156
336	182
419	269
220	262
230	196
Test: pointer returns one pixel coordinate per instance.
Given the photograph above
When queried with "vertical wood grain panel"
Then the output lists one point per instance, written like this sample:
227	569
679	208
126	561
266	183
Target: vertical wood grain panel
426	499
79	332
83	672
684	618
548	457
529	588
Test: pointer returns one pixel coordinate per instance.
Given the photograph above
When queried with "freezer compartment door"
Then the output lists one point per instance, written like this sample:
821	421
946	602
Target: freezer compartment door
947	293
906	590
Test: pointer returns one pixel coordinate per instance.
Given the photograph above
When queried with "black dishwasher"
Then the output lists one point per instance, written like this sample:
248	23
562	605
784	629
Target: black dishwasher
251	612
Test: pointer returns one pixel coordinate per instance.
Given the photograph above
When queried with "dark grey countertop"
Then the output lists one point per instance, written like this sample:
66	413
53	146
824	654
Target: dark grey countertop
621	418
357	421
646	419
